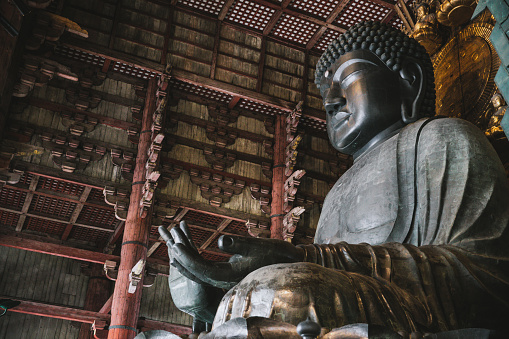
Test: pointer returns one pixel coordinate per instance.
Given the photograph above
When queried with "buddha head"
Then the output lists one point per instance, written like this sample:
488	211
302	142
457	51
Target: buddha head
374	80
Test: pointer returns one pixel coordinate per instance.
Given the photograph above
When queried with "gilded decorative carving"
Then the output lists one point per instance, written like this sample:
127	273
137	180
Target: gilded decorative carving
465	71
455	12
426	30
494	130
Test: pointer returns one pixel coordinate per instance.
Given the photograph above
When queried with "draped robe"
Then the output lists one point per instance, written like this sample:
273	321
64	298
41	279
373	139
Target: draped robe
413	237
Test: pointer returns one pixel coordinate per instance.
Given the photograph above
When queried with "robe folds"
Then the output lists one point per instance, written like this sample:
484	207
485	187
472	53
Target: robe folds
414	236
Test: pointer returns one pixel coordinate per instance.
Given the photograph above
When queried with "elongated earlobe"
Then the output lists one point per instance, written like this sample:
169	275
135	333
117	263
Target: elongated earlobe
413	85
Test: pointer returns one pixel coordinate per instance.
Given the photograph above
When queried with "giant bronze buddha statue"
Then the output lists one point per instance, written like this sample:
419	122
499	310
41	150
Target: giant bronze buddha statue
412	238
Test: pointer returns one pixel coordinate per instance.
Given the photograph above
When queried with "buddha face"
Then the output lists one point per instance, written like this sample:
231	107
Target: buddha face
362	98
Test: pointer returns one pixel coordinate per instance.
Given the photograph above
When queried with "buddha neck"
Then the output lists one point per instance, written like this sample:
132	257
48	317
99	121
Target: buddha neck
379	139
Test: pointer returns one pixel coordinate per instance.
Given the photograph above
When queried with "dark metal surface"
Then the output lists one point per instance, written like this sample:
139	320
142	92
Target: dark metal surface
412	237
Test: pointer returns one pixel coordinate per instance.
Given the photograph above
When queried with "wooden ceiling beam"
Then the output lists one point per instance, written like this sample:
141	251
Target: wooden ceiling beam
219	230
195	79
299	15
56	107
89	317
201	207
332	16
24	243
178	218
28	200
62	221
225	9
76	213
72	178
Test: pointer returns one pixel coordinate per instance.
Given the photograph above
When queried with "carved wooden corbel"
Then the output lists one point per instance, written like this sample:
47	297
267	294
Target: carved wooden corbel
258	229
220	136
170	171
219	159
291	187
81	98
217	189
90	76
152	173
37	71
124	160
70	154
223	115
263	195
291	154
269	125
78	123
290	222
119	199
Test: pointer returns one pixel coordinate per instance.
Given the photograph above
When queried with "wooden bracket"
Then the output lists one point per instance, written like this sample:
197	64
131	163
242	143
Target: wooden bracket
38	71
223	115
119	199
291	187
219	159
217	189
81	98
291	154
78	123
220	136
69	153
263	195
290	222
258	229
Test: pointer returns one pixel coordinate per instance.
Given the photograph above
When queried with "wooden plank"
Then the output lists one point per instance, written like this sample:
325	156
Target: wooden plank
332	16
26	204
225	9
220	229
24	243
76	213
57	174
215	50
175	221
56	107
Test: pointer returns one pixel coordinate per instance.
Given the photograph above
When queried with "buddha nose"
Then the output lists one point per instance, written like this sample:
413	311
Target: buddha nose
334	103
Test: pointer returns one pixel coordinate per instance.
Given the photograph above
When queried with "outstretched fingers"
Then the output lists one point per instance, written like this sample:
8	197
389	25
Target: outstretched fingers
215	274
163	232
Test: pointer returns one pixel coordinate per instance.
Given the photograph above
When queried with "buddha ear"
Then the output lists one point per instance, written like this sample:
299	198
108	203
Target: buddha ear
413	85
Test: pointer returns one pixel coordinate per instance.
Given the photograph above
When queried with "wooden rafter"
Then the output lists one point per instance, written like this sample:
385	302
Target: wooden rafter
28	200
27	244
62	220
178	218
195	79
332	16
220	228
119	229
76	213
83	316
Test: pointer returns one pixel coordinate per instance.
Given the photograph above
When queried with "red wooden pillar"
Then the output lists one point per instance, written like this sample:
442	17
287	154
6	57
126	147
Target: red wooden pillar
98	292
125	307
278	179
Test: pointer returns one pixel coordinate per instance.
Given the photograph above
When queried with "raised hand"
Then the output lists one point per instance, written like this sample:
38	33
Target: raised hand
249	255
190	295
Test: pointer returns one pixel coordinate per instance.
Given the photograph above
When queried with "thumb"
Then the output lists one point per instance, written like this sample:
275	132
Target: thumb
246	246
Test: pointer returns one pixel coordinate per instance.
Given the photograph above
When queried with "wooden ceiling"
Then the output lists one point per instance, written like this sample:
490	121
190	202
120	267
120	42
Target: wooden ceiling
135	39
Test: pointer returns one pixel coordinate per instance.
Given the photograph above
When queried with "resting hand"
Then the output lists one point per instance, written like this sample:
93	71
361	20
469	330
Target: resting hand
249	255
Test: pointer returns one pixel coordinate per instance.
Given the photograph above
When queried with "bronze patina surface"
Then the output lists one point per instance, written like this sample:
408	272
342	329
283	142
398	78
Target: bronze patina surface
412	238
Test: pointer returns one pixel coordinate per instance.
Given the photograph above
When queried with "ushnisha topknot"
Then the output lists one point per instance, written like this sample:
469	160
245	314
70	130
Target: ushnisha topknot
389	44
